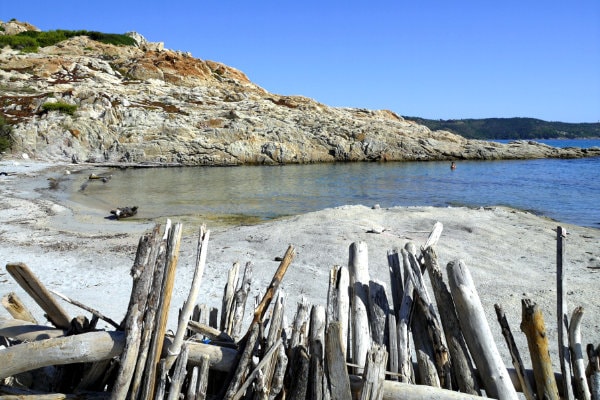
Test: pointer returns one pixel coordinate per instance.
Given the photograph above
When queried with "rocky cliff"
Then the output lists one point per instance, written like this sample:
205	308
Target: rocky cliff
147	104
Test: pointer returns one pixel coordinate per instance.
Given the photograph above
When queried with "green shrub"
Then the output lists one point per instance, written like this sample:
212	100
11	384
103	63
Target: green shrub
60	107
30	41
5	135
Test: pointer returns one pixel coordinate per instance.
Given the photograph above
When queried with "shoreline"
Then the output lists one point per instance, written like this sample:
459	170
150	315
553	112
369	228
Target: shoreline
510	253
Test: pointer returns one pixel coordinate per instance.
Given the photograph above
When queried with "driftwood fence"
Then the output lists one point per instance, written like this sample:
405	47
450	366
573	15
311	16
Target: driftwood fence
362	345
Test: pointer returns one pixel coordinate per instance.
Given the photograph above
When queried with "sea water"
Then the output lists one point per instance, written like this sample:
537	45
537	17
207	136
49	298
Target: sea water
566	190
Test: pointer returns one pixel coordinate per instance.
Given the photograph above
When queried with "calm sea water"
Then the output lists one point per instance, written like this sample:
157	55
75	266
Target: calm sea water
565	190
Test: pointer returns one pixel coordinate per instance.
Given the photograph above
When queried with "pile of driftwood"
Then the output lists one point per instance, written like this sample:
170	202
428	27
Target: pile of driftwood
362	344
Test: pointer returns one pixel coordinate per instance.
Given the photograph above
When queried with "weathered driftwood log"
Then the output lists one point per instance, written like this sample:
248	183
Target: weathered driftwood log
262	307
399	390
86	347
25	331
239	301
429	320
267	358
462	369
378	311
317	383
374	375
337	373
396	279
477	333
188	307
162	314
142	271
38	292
203	371
158	256
179	372
562	315
228	299
532	325
213	334
358	266
124	212
582	390
15	307
299	385
241	370
404	321
278	373
338	301
392	347
593	370
527	387
427	372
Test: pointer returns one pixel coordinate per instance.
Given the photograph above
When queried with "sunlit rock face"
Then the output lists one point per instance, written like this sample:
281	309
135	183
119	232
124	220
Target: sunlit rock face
148	104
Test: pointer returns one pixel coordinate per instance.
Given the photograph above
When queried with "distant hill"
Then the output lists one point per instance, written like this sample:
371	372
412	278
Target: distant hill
511	128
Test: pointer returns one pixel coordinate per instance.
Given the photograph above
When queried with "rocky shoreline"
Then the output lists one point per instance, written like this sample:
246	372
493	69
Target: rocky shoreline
85	101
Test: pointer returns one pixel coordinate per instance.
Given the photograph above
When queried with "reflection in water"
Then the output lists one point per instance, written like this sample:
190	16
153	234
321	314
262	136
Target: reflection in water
567	190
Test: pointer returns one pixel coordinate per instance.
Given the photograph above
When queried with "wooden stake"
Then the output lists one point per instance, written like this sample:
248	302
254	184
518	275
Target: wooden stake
561	313
337	373
532	324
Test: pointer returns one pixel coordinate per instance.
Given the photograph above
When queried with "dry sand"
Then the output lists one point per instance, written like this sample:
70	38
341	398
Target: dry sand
511	254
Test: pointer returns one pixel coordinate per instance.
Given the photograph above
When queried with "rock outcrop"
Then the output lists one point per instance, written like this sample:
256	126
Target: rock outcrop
147	104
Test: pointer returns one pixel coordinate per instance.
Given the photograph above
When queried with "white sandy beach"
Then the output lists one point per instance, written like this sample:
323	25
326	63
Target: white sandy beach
511	254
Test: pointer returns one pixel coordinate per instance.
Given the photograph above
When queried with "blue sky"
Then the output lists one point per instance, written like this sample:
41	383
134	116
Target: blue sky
431	59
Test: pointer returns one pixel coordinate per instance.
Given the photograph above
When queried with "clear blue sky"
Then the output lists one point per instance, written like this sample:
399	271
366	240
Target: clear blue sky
432	59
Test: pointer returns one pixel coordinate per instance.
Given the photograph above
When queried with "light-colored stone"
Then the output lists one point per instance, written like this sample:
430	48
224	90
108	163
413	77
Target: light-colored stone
146	104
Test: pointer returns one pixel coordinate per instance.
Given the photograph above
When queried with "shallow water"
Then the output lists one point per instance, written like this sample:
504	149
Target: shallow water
565	190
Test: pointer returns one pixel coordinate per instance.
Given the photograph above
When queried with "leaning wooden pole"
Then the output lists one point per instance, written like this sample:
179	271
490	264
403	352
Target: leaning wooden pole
462	367
188	308
561	313
477	333
38	292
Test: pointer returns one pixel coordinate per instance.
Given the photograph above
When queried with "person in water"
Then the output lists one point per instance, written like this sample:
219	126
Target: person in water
453	165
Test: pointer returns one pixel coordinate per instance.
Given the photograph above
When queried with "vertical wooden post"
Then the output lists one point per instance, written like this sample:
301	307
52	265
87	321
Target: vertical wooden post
404	320
561	313
317	384
379	309
337	373
374	374
358	266
532	324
